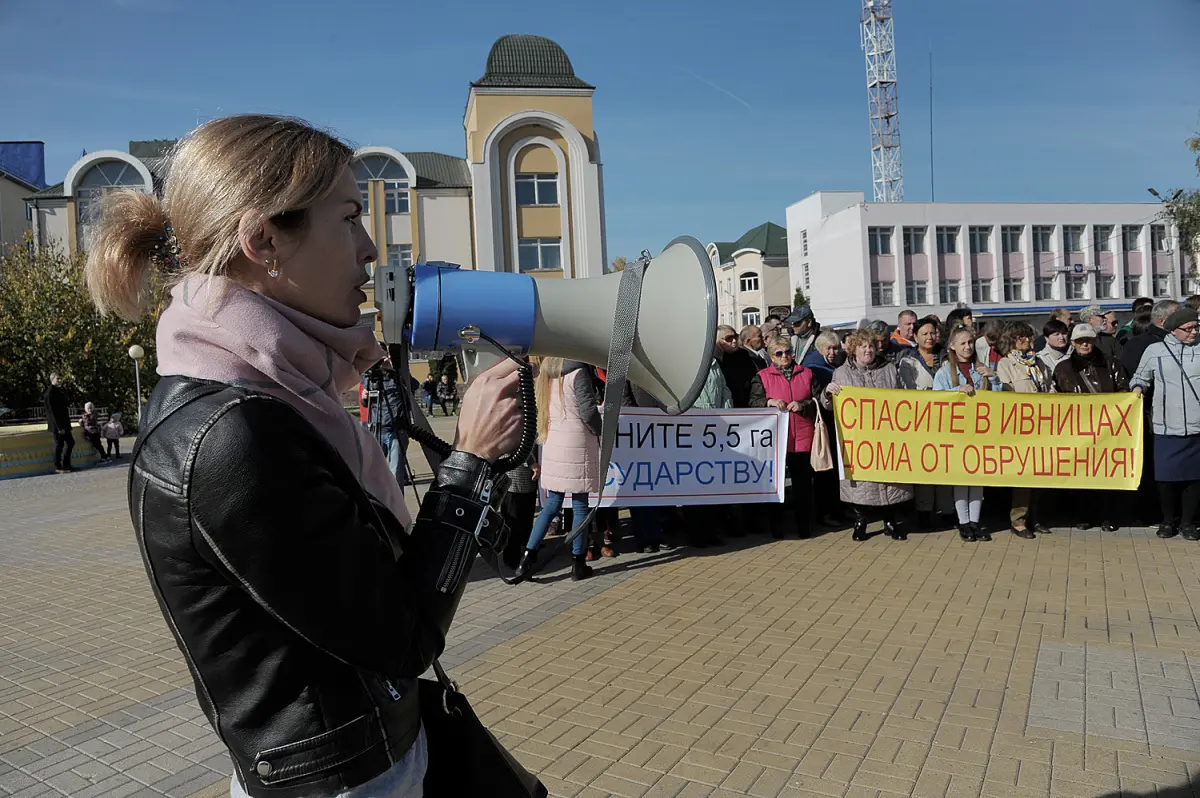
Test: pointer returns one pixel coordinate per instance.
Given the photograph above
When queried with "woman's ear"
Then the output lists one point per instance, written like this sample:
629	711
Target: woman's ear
255	234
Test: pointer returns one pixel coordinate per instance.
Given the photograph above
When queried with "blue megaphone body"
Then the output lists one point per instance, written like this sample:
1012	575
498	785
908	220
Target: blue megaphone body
431	307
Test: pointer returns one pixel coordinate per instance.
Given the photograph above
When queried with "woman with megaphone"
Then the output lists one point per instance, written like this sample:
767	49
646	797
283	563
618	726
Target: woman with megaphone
302	595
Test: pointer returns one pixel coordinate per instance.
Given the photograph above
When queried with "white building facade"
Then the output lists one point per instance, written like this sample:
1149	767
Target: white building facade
752	276
855	259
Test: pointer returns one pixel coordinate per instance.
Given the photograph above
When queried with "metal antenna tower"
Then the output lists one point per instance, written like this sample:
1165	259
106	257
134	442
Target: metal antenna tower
879	44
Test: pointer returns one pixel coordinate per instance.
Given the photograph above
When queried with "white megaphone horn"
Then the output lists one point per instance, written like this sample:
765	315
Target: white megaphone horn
428	308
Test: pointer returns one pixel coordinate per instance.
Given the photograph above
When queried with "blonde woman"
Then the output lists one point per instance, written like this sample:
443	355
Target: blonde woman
304	599
569	430
962	373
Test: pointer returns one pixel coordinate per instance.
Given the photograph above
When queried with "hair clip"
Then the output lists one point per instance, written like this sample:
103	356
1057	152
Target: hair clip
166	251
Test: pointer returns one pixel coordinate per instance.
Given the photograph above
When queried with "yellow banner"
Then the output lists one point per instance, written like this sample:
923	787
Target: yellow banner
1056	440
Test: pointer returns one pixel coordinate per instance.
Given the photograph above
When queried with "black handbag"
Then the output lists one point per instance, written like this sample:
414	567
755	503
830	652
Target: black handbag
465	759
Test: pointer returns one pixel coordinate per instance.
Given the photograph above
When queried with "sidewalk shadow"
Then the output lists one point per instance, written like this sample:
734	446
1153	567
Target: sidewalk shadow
1182	791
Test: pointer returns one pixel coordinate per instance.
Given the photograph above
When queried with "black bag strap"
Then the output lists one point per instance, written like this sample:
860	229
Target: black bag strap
1179	362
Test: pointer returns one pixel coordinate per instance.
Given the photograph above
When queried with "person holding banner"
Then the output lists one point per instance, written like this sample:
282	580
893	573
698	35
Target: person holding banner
1022	371
866	368
787	386
1087	370
916	370
1170	373
962	373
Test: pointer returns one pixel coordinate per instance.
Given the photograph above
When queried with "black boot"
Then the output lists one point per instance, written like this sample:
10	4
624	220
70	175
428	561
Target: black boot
525	568
580	570
966	532
860	530
925	520
894	530
980	532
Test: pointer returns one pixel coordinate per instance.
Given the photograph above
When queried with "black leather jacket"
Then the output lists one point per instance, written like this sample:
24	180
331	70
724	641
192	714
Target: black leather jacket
304	611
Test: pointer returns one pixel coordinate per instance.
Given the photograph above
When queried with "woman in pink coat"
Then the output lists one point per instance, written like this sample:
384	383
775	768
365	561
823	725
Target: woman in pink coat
787	386
569	431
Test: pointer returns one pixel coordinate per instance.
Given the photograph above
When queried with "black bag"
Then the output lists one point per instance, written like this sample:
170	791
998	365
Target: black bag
465	760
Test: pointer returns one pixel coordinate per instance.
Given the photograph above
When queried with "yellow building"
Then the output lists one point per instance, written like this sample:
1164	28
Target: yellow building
528	196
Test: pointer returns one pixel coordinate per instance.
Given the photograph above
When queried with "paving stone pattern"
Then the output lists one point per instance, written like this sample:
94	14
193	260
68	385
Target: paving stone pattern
1066	666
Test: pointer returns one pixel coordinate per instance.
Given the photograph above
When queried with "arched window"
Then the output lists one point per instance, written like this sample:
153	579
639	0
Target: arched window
751	316
395	182
102	177
749	282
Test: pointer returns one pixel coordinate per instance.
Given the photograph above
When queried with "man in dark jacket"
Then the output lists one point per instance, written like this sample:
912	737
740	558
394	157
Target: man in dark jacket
737	365
1106	342
1149	509
1131	353
1125	331
58	422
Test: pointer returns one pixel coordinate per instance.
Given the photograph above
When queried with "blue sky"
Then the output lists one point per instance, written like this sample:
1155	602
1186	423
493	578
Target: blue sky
713	116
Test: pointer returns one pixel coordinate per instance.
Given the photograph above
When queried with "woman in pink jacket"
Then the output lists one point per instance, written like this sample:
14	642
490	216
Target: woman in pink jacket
786	385
569	431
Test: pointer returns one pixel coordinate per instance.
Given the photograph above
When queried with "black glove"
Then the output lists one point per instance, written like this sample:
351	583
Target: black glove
808	408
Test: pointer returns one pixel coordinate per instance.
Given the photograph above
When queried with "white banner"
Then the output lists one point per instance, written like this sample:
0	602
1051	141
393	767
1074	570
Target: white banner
700	457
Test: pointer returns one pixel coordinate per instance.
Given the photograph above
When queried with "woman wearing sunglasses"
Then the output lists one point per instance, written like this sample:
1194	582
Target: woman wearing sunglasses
786	385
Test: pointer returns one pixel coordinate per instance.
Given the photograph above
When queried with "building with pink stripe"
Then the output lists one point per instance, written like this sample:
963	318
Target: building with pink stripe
856	259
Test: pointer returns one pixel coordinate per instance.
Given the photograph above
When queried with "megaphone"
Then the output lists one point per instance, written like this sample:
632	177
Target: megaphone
432	307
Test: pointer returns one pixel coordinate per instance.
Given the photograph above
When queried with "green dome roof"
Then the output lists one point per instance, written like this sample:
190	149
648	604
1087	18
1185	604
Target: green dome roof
532	62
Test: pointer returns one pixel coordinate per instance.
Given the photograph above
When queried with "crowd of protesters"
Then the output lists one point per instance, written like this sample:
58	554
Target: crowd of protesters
795	366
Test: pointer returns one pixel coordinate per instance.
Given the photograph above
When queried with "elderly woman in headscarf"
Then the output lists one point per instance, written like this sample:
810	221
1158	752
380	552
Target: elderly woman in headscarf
866	368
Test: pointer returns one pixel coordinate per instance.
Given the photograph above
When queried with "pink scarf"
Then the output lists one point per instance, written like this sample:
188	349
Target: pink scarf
232	335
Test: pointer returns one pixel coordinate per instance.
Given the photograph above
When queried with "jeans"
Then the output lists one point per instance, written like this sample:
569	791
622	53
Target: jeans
554	503
391	448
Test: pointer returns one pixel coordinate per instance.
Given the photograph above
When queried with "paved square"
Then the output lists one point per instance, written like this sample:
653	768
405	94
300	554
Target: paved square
1065	666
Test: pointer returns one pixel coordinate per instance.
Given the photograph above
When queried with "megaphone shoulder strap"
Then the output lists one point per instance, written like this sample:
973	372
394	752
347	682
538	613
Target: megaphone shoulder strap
620	352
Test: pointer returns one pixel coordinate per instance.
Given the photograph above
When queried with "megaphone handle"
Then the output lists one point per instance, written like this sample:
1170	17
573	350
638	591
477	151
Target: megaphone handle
480	358
528	422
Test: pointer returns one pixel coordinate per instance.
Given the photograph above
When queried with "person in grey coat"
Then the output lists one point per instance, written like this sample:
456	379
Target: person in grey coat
1169	373
866	368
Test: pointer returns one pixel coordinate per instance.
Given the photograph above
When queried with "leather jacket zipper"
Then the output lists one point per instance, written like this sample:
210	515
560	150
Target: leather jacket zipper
456	563
391	690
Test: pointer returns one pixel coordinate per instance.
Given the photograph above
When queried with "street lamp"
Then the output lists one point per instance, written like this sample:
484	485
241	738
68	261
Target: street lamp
137	353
